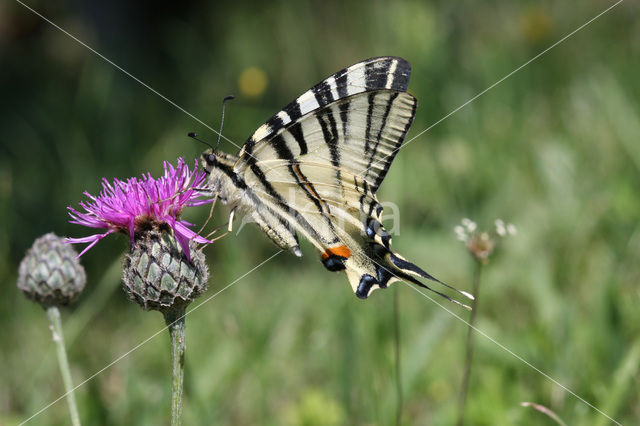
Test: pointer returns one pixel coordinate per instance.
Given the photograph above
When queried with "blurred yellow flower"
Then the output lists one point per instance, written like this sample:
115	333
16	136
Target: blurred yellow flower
252	81
536	25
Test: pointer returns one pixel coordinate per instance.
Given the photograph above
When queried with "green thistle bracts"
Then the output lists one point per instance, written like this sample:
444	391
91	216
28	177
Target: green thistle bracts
158	275
50	273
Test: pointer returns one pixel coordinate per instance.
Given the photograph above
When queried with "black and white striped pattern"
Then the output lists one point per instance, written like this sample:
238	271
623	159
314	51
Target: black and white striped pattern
384	73
314	169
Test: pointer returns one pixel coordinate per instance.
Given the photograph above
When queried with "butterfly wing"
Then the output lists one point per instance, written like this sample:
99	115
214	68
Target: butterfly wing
317	164
383	73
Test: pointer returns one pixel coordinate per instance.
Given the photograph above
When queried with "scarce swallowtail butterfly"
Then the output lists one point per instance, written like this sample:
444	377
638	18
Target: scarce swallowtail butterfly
314	169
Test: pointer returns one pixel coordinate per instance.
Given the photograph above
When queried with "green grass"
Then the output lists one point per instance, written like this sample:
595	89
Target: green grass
554	150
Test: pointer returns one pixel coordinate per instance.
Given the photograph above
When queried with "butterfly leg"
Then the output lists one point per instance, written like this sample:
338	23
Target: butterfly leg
213	204
229	227
231	216
220	236
228	224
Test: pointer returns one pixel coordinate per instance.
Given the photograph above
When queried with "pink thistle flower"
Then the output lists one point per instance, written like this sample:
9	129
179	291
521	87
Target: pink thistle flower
137	205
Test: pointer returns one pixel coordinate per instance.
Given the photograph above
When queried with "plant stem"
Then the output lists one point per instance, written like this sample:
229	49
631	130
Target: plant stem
469	357
58	338
175	323
396	327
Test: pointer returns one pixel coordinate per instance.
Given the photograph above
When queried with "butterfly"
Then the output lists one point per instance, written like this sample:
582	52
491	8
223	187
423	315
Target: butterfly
314	169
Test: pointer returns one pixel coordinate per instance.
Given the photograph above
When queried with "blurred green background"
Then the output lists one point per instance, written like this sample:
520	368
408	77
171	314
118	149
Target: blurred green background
554	149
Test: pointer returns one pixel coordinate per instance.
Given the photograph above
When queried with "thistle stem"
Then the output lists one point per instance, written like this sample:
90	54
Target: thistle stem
175	323
469	356
53	313
396	329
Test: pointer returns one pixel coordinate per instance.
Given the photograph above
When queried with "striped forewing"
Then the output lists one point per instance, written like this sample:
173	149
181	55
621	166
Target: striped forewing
383	73
324	169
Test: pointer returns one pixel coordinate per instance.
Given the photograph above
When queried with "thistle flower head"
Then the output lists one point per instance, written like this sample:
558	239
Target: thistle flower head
142	204
482	244
158	275
50	273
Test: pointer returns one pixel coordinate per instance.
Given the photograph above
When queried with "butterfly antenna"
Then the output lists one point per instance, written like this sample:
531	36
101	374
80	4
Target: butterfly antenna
194	135
224	102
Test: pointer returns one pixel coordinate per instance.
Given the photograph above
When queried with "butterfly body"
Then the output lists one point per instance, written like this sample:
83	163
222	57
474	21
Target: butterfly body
314	169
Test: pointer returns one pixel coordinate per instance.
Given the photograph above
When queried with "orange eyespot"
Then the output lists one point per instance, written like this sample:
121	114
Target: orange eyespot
342	251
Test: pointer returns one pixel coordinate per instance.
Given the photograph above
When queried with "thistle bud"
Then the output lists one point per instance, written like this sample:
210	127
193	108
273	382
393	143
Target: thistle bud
158	274
50	273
